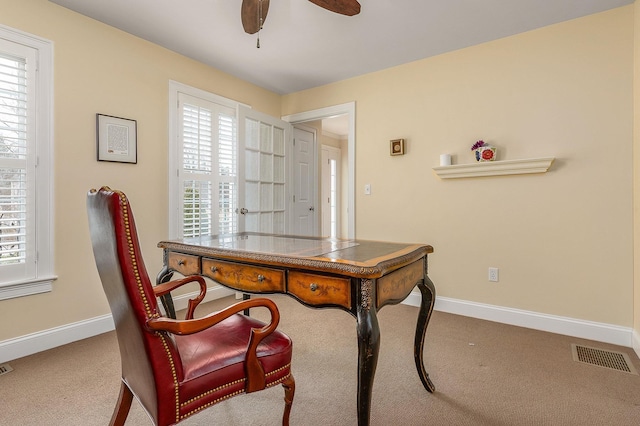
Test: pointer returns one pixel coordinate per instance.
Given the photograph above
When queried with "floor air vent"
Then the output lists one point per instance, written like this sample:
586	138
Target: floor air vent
607	359
5	368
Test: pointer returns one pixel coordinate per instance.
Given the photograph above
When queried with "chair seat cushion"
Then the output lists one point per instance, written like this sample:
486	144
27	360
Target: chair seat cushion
213	360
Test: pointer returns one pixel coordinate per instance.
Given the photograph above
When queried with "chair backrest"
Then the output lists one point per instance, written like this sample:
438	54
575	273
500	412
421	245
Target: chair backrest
147	357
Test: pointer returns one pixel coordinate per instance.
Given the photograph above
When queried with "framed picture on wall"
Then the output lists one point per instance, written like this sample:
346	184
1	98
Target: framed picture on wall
397	147
117	139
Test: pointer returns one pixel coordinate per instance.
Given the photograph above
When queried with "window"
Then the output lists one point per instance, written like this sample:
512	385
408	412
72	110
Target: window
204	155
26	258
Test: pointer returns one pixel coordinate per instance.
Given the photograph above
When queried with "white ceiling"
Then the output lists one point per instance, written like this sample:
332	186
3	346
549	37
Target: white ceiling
304	46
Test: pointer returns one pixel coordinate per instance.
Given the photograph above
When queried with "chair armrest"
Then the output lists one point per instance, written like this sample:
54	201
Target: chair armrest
255	373
164	288
190	326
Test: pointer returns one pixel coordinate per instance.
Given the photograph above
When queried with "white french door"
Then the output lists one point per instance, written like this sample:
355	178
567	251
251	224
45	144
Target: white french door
263	186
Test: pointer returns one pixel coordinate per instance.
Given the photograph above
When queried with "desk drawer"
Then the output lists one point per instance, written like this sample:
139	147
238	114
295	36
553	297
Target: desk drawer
244	277
320	289
185	264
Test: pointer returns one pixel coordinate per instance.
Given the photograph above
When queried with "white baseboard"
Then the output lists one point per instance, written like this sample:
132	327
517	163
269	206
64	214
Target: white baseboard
600	332
41	341
47	339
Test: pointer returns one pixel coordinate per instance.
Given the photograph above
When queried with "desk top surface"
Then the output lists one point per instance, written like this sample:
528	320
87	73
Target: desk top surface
353	257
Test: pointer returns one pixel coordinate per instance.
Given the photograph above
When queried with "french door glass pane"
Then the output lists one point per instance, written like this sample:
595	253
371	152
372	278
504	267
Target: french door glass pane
266	222
266	197
278	141
252	195
252	168
266	138
251	222
266	167
252	134
278	197
278	222
278	169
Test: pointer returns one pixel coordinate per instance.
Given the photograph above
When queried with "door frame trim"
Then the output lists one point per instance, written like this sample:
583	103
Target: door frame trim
327	112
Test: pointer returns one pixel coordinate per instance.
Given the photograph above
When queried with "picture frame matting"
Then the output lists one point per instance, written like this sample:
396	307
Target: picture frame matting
116	139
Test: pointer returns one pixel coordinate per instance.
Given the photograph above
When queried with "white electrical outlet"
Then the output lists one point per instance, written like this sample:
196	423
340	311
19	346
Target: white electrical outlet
493	274
367	189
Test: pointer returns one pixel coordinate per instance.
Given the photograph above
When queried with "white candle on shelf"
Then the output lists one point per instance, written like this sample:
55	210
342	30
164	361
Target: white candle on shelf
445	159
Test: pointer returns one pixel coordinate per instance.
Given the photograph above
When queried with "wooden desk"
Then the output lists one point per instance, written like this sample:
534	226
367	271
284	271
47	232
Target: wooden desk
359	277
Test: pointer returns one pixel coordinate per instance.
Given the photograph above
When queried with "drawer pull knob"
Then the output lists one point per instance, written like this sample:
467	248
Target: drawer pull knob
313	287
214	269
260	278
180	262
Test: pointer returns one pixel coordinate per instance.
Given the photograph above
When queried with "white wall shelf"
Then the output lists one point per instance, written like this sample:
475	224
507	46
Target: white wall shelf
494	168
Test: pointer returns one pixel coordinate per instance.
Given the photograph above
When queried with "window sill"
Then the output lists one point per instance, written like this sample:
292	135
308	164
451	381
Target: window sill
26	288
494	168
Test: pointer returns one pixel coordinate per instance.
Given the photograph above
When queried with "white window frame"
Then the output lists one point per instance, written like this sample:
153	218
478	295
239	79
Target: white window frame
40	143
175	156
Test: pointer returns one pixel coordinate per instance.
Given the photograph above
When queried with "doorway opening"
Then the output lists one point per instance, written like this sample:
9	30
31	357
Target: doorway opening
331	115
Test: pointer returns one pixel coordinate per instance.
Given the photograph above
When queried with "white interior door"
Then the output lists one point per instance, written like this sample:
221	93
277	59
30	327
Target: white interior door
263	189
304	214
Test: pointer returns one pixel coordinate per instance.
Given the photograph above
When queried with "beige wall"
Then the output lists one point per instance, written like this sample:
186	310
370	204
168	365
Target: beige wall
562	240
99	69
636	178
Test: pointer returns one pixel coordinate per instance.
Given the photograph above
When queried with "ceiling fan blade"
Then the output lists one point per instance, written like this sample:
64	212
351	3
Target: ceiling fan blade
249	13
343	7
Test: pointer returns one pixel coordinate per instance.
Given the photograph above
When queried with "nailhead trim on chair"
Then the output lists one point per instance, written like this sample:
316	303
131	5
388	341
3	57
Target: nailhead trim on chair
195	398
125	216
210	391
230	395
277	382
174	375
279	369
214	402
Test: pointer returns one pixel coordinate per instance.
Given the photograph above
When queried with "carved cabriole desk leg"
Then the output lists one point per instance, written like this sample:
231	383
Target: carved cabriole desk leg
428	291
368	347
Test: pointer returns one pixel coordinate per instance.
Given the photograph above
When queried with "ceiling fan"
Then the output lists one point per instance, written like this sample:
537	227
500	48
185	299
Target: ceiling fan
254	12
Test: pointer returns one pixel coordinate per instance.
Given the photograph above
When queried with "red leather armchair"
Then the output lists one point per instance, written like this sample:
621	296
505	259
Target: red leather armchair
176	368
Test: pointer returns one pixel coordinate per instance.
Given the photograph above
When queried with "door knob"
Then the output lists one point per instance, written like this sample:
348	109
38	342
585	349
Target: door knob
311	208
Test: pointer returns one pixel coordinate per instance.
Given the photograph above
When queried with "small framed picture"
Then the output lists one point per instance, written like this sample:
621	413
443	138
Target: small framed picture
117	139
397	147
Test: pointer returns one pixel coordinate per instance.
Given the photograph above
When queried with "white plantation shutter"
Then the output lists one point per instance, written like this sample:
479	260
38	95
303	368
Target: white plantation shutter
197	162
208	170
227	174
26	257
14	197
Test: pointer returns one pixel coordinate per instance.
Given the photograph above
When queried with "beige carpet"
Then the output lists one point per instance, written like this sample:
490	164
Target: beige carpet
485	373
